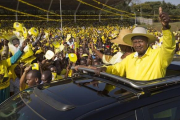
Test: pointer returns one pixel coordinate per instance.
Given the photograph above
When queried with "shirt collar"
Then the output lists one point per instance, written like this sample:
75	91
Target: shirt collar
147	53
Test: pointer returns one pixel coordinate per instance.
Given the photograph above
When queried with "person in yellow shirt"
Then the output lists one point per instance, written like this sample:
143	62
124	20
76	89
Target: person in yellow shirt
4	76
55	76
146	63
29	78
46	76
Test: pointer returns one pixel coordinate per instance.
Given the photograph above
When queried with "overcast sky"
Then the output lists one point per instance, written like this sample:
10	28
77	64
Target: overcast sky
176	2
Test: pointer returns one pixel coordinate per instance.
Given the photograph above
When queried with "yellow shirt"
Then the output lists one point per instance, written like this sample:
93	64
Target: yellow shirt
24	86
70	73
4	82
63	72
58	77
12	74
151	65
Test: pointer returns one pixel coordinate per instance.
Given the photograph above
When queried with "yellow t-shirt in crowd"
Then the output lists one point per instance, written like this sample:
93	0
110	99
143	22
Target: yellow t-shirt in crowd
12	74
63	72
5	80
24	86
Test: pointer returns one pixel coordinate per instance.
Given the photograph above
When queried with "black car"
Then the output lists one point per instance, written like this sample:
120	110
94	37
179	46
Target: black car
91	97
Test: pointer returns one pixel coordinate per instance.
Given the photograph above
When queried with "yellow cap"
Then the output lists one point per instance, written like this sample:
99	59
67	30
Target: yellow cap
84	55
39	51
18	26
72	57
24	32
33	31
35	66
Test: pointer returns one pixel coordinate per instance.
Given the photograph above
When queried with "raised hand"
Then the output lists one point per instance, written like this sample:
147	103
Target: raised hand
164	18
23	45
27	69
91	46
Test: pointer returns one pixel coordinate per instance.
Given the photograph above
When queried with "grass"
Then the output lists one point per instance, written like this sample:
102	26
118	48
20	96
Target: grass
175	26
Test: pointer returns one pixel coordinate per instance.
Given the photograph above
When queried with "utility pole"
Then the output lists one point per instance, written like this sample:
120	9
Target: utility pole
17	10
141	10
76	12
135	18
49	10
61	15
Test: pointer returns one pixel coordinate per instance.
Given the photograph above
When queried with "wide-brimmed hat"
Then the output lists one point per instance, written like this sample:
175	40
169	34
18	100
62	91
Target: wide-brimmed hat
119	39
138	31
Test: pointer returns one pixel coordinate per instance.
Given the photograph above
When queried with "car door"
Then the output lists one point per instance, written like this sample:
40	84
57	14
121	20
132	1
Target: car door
164	110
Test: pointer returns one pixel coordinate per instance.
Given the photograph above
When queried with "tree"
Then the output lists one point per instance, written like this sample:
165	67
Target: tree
178	6
152	8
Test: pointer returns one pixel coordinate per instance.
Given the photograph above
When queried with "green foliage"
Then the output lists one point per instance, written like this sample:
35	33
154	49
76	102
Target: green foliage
151	9
147	8
175	12
123	5
178	6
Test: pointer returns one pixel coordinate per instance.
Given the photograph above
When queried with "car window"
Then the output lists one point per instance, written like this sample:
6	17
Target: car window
16	109
168	114
173	69
126	116
168	110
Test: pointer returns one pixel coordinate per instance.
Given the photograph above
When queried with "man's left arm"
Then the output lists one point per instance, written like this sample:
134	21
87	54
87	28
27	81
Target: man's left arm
17	55
168	46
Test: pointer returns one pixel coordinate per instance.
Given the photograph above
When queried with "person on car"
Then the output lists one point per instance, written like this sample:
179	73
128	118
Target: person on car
4	76
146	63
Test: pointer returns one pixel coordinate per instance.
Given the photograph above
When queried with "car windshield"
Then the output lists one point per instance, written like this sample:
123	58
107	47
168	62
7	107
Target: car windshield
17	108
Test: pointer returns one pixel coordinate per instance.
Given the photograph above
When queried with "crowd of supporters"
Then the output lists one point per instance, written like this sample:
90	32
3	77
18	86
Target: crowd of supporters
44	53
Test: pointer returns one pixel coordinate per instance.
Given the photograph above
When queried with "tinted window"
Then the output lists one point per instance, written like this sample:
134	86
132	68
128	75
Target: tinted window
167	114
173	68
126	116
164	111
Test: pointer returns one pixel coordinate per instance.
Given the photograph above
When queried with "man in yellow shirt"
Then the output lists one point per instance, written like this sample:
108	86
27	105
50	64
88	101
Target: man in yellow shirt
146	63
29	78
4	76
